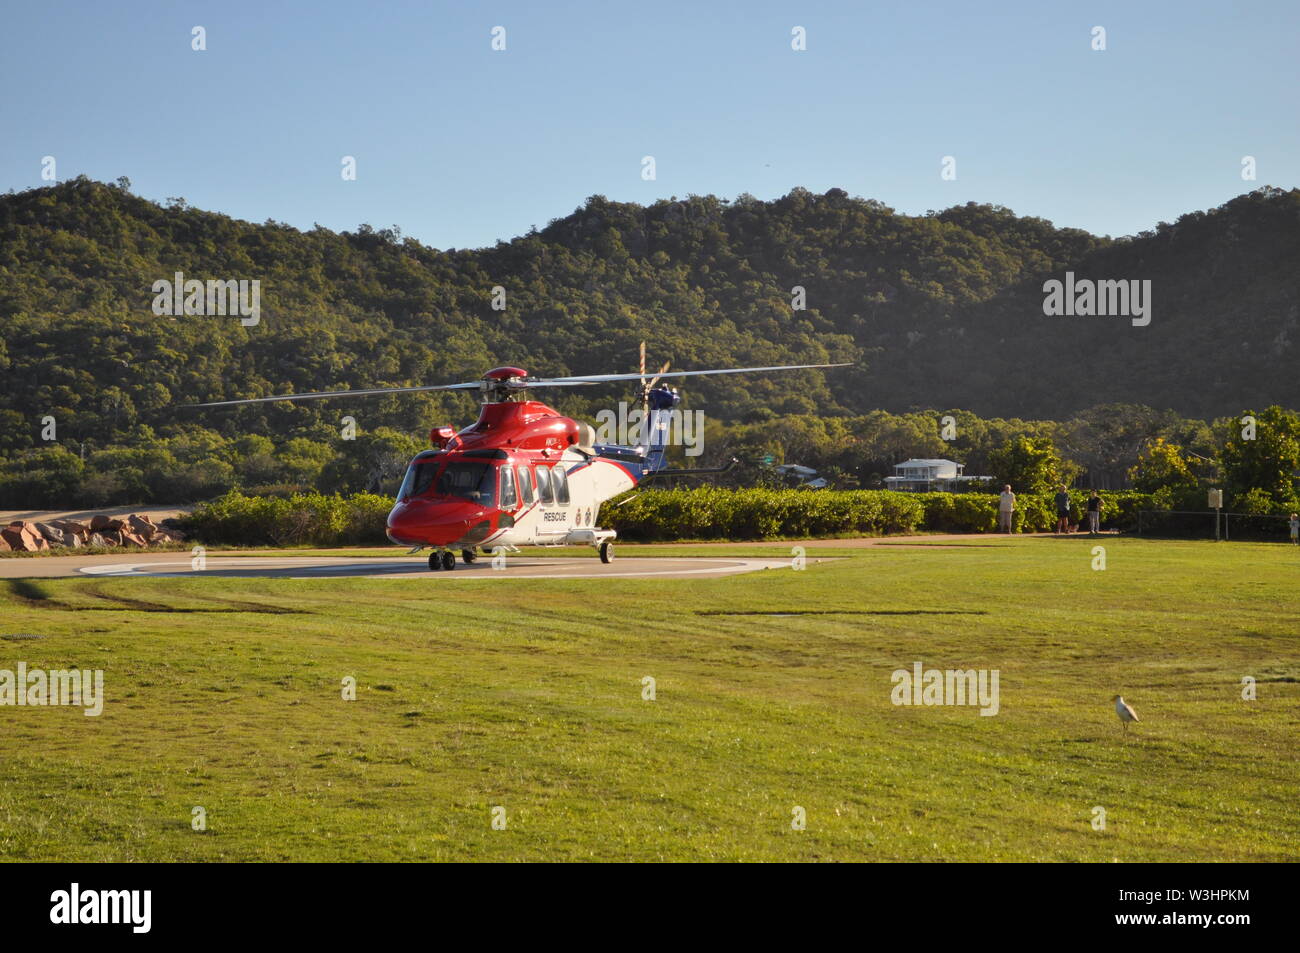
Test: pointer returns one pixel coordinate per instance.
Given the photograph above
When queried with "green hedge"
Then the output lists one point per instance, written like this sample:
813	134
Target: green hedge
1035	513
710	513
650	515
303	519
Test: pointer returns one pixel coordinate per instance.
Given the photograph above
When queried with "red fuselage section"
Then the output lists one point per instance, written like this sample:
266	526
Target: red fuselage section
458	496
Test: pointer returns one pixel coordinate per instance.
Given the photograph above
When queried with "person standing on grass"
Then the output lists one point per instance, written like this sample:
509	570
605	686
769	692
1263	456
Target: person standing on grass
1094	514
1062	510
1006	506
1295	528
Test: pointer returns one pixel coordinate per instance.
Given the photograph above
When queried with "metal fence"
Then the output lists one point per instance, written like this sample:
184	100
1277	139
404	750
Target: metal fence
1207	524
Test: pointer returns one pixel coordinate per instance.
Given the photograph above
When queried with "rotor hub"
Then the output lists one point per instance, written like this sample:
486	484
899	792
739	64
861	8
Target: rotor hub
502	383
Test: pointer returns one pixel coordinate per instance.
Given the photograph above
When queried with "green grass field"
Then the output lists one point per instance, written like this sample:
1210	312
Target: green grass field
773	691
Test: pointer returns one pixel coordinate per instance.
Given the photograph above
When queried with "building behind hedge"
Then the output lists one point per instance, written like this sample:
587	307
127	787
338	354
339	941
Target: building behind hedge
933	476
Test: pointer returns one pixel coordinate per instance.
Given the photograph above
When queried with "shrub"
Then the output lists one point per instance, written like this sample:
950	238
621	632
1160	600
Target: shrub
303	519
316	519
1254	502
711	513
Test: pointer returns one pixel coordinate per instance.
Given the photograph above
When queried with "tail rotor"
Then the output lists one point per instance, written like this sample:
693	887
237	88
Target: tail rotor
646	388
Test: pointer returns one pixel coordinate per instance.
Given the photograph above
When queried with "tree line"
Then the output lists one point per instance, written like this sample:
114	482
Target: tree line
1254	456
936	310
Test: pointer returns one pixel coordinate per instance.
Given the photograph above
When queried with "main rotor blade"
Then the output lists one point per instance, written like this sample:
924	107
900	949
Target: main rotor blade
527	384
474	385
599	378
469	385
522	384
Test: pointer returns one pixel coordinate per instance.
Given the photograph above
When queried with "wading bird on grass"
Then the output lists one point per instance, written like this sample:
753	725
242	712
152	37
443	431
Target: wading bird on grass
1125	712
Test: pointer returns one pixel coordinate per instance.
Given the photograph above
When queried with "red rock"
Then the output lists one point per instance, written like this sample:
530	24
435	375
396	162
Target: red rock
97	540
52	534
24	538
133	539
99	522
72	527
141	525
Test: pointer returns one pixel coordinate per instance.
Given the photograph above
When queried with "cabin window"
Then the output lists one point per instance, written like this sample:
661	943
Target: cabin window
544	484
560	480
508	498
525	485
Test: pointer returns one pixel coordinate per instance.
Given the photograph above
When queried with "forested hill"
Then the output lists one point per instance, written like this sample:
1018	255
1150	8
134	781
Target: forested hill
942	310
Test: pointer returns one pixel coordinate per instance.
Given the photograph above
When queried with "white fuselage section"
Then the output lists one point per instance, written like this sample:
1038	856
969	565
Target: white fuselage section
591	481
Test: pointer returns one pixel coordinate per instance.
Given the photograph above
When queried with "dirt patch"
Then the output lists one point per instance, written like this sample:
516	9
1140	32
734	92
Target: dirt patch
157	513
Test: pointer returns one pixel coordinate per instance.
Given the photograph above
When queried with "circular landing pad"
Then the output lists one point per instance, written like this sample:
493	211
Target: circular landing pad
516	567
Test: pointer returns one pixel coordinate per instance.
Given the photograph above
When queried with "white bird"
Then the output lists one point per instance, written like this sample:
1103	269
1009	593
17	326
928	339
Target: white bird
1125	712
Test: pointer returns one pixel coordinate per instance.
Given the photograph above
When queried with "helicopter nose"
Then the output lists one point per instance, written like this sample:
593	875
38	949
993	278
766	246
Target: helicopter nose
433	523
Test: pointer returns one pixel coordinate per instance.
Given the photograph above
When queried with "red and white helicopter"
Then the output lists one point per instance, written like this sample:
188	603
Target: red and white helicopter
523	474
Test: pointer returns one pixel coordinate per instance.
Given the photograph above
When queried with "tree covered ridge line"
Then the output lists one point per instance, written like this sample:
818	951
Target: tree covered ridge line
936	310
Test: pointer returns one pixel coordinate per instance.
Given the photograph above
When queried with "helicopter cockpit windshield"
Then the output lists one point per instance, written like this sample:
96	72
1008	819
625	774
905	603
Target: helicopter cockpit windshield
434	475
419	475
473	480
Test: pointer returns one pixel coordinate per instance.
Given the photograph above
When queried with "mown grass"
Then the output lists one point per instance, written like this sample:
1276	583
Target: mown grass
527	694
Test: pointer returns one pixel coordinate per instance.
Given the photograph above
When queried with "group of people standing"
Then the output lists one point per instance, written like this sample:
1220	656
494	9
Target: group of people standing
1007	508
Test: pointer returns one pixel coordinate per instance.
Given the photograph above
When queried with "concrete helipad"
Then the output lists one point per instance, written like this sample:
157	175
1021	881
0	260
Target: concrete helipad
389	567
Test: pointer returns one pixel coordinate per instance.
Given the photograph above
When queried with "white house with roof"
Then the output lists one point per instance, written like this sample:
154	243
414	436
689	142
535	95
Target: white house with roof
923	476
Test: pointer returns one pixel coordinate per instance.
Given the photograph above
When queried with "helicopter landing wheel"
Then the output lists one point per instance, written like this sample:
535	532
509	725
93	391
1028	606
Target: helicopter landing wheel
468	556
607	552
448	559
434	562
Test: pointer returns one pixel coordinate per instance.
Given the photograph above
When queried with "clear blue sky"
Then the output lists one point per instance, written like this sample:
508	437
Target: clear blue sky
459	145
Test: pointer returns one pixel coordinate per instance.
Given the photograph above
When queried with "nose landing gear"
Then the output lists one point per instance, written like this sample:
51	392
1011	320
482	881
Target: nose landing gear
442	559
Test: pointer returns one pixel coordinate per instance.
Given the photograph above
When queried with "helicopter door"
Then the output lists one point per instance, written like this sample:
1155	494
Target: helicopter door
560	484
553	492
509	500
